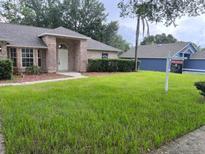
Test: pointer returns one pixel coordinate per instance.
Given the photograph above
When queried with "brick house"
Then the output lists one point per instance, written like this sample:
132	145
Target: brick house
53	50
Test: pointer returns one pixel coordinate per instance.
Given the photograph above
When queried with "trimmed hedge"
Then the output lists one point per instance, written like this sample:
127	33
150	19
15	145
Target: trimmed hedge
110	65
201	87
6	69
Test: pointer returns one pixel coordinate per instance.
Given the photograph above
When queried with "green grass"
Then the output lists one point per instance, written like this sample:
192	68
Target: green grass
122	113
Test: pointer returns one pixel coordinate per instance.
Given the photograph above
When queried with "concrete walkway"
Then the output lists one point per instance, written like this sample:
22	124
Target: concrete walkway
192	143
1	142
71	76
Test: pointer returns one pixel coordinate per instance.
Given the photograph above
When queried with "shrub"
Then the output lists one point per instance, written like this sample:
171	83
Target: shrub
6	69
201	86
110	65
33	70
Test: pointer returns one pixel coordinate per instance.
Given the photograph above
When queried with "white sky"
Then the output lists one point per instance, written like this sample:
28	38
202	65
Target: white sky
188	28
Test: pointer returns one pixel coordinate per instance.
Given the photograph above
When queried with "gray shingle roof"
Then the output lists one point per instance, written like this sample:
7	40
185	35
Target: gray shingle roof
155	51
19	35
29	36
96	45
61	31
198	55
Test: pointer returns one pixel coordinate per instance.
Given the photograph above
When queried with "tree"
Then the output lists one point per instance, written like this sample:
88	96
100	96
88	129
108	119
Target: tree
9	10
159	39
165	11
2	19
87	17
111	37
44	13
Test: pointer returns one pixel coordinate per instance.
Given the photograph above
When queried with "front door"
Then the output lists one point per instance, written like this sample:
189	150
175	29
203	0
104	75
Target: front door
63	59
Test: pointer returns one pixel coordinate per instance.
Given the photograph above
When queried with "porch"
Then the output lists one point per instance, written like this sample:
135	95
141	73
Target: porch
60	54
65	54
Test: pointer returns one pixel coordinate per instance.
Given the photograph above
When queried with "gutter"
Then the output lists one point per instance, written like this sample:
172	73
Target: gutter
59	35
22	46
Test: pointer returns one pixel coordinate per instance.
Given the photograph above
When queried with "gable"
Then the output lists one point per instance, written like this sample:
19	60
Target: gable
186	52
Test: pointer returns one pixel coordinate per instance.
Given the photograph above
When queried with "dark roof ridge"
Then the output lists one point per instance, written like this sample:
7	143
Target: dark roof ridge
166	44
23	25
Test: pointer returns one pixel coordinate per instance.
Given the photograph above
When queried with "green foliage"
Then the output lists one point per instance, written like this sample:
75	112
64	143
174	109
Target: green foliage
159	39
110	65
158	11
87	17
33	70
161	11
6	69
201	86
121	113
118	42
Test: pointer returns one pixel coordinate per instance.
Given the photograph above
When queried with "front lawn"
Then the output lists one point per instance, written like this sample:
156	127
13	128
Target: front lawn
121	113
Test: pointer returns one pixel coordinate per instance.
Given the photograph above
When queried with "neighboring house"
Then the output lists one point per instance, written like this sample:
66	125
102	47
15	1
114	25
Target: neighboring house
196	62
185	57
53	50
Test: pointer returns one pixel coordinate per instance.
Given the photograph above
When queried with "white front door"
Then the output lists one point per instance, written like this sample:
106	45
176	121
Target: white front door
63	59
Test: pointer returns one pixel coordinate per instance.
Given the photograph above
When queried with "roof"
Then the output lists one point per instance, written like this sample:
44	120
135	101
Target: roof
30	36
198	55
96	46
155	51
61	31
21	36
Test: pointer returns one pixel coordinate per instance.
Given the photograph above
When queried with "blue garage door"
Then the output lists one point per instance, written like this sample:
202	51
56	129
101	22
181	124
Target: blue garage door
153	64
194	64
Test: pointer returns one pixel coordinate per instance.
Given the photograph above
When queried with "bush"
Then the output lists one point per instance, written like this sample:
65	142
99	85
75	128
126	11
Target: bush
110	65
200	86
6	69
33	70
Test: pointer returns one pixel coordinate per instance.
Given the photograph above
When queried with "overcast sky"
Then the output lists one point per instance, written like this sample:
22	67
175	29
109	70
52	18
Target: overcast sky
188	28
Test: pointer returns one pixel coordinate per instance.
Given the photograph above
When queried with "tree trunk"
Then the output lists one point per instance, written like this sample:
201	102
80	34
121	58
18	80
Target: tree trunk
136	43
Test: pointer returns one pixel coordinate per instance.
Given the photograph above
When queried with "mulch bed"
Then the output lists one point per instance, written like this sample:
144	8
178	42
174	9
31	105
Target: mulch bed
30	78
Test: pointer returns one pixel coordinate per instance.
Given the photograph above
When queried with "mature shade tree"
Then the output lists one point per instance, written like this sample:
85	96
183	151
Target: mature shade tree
2	19
87	17
44	13
165	11
10	10
111	37
159	39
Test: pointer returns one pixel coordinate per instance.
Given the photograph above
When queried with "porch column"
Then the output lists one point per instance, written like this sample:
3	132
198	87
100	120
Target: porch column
35	54
51	54
18	58
3	52
81	56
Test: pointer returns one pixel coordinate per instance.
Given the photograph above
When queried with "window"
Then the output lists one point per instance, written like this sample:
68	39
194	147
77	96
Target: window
11	52
104	55
39	58
27	57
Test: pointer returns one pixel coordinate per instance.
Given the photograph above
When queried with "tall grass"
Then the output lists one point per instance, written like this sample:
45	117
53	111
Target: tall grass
122	113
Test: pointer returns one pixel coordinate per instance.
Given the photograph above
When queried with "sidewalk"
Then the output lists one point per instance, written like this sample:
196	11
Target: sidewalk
192	143
42	81
1	143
